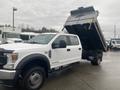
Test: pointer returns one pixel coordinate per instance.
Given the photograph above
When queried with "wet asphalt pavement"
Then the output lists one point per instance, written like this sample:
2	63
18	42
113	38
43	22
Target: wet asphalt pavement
84	76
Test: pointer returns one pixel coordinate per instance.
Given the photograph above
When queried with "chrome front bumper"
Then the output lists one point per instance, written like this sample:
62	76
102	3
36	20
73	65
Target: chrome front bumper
7	74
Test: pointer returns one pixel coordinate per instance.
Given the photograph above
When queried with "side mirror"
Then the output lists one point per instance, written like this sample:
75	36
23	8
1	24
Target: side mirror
60	44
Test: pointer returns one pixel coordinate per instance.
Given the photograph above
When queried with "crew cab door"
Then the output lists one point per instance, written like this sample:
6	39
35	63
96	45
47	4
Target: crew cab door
75	49
59	55
70	54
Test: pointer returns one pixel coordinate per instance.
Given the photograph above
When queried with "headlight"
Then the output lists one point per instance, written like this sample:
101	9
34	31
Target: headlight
14	57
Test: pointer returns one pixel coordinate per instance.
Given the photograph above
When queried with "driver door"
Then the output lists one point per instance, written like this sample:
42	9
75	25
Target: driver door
59	55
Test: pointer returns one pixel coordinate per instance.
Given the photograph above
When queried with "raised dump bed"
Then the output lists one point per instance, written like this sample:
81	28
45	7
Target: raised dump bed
84	23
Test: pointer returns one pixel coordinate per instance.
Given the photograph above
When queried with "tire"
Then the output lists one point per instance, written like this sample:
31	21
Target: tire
96	61
33	78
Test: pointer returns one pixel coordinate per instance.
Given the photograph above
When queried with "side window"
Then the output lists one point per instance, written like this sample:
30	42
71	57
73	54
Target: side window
24	37
74	40
62	37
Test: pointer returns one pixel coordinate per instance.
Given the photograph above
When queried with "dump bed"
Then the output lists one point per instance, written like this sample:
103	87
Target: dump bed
84	23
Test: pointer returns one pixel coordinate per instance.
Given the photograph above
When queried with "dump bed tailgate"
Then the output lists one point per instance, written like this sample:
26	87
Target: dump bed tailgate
84	23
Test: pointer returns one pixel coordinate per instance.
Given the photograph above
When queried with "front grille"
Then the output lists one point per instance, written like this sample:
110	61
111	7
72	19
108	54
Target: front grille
1	67
3	59
3	56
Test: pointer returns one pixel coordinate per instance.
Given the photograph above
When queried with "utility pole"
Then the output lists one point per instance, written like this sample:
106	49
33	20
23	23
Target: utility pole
14	9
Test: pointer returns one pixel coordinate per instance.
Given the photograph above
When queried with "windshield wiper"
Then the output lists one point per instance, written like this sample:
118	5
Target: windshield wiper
32	42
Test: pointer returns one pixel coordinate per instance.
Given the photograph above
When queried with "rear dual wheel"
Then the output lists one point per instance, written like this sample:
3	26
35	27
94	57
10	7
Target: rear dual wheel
96	61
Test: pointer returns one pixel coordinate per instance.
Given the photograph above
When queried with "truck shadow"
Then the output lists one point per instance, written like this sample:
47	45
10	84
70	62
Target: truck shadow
115	50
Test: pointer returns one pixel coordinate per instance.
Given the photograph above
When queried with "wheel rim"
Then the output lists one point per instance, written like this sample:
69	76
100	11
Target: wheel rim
35	80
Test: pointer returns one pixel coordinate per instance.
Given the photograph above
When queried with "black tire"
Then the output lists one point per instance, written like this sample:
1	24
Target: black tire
96	61
33	79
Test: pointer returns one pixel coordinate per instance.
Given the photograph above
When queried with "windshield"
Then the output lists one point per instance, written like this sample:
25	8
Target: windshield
41	39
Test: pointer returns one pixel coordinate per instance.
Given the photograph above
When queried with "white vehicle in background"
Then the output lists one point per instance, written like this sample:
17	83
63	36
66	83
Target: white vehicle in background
115	43
14	40
8	32
27	35
8	35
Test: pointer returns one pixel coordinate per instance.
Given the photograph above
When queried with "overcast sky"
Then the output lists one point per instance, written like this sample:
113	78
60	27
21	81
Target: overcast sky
53	13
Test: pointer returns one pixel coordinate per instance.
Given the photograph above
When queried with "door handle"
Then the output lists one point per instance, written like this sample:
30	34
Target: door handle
68	49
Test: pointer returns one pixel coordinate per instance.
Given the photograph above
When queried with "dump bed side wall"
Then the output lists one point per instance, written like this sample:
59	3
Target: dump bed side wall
103	41
89	39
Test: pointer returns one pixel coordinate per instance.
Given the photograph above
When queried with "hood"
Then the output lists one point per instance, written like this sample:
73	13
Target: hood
20	46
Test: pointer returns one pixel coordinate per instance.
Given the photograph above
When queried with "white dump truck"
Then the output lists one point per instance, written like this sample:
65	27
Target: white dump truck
28	64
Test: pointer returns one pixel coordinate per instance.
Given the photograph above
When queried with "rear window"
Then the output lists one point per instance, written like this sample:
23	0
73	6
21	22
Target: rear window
74	40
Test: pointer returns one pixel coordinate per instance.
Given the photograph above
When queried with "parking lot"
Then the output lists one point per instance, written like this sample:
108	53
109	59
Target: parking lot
84	76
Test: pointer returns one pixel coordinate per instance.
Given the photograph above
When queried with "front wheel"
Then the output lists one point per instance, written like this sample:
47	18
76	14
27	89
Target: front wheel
33	79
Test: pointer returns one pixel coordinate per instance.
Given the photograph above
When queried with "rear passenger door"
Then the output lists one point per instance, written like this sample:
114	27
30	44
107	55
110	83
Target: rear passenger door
74	49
